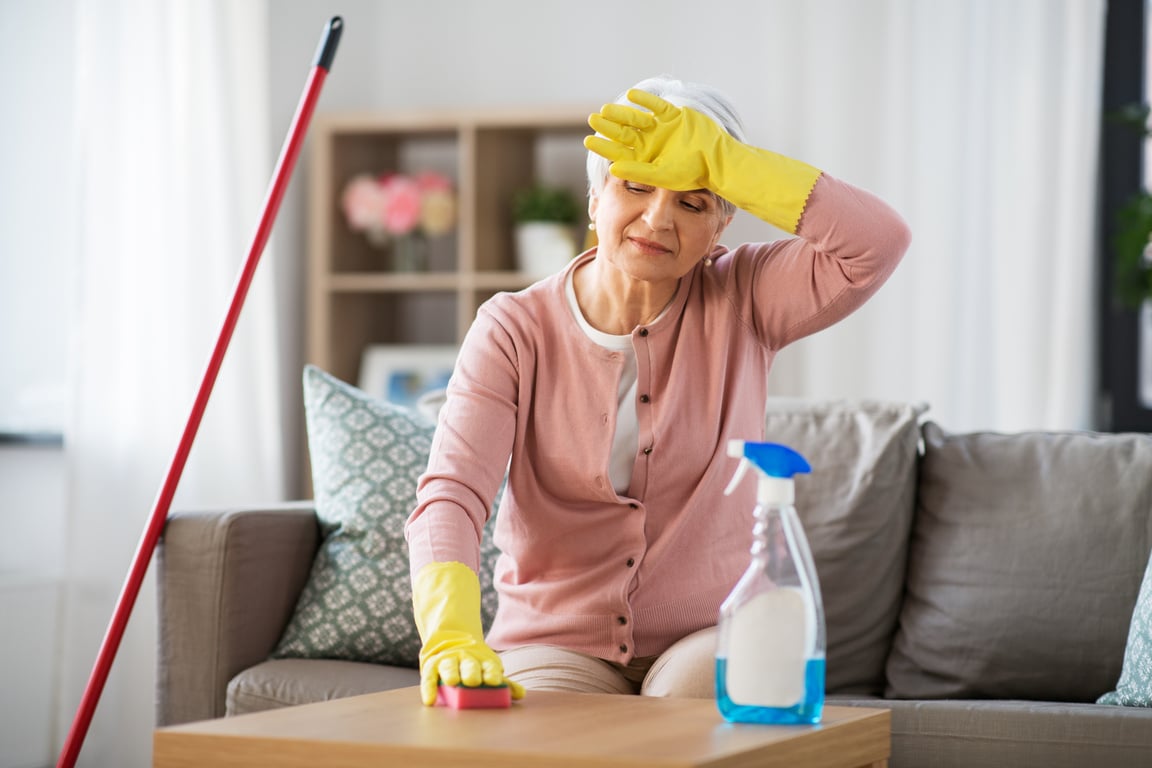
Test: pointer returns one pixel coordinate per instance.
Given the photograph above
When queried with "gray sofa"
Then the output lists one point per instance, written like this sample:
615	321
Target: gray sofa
978	585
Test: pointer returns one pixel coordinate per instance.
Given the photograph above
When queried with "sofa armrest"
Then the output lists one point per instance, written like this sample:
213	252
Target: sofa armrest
227	583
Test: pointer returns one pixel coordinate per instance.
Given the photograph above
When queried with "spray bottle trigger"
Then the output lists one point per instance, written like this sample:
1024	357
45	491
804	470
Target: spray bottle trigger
736	451
736	478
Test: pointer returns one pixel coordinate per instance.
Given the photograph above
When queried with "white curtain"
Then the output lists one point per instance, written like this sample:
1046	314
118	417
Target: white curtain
173	157
978	121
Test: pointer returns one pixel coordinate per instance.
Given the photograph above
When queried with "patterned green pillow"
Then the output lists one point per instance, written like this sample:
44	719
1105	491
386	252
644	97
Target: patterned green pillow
1135	686
366	457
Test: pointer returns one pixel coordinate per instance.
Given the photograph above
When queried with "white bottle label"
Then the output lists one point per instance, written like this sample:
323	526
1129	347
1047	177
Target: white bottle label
767	648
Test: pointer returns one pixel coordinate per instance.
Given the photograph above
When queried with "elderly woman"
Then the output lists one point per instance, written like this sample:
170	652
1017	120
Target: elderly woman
607	394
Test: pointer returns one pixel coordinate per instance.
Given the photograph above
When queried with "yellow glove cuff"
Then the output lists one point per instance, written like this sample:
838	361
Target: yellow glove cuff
768	185
446	598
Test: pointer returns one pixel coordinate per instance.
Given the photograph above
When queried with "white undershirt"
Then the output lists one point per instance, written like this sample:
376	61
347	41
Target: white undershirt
626	439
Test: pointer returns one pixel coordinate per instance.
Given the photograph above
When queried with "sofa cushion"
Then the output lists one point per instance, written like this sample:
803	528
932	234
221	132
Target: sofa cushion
1135	686
289	682
366	457
856	506
1026	556
1019	734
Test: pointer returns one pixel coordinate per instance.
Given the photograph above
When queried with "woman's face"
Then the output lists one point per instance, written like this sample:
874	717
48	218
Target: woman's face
655	234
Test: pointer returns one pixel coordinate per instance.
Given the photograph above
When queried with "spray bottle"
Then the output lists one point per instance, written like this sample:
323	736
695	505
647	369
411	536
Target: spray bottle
770	654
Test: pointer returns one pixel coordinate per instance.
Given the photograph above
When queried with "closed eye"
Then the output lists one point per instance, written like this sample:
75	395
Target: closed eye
697	203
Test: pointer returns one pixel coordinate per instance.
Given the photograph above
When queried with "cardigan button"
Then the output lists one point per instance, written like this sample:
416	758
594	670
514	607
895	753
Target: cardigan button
644	398
621	620
643	331
623	648
633	505
648	450
631	562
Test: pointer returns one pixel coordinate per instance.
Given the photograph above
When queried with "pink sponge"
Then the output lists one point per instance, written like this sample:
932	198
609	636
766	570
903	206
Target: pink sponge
482	697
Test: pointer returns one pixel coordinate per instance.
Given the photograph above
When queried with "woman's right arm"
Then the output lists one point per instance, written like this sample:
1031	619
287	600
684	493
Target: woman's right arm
470	450
454	495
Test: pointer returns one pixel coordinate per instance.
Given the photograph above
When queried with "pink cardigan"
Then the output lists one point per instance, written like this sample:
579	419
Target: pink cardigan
623	576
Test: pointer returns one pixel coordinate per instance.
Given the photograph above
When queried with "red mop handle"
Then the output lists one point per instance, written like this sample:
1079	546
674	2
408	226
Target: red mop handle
151	536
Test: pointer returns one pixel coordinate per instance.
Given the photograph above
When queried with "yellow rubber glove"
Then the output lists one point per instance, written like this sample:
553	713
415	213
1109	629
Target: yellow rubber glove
679	148
446	601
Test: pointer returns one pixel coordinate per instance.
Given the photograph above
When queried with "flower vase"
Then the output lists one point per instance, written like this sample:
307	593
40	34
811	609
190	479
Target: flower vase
409	254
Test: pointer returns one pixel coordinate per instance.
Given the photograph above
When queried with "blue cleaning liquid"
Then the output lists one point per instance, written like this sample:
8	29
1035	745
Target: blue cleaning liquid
806	711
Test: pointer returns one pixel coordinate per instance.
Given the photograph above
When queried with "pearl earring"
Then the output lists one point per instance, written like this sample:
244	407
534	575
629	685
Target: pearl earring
591	226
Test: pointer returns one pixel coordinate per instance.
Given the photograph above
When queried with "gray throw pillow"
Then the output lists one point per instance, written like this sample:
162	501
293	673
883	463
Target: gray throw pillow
856	507
366	457
1026	557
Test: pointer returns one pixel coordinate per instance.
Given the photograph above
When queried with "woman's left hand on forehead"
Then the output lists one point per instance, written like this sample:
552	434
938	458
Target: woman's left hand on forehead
668	146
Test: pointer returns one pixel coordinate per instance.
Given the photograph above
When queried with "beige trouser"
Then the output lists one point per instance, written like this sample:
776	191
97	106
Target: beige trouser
686	670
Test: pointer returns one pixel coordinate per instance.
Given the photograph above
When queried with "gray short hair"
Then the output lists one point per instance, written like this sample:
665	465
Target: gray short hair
702	98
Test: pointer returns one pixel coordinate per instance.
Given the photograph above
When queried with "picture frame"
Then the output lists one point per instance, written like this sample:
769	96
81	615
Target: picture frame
403	373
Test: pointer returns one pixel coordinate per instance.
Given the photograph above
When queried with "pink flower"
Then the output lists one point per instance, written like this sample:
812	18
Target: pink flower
361	203
395	205
399	204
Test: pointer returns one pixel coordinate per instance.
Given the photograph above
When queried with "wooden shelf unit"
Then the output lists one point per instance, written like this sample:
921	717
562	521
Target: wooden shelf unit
353	299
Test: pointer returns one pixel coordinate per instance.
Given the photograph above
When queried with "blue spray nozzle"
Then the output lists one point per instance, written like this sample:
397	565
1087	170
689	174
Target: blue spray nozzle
776	460
776	463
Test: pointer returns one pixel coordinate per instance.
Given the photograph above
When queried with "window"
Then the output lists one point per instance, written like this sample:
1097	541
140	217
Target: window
37	218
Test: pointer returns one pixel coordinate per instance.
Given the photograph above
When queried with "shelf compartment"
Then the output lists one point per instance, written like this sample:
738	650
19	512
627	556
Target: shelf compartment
508	159
360	319
378	153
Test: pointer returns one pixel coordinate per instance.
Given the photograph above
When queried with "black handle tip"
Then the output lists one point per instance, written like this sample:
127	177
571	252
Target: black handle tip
327	50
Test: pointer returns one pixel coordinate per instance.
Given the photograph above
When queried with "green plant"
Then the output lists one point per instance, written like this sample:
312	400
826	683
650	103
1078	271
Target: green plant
1132	276
541	203
1133	273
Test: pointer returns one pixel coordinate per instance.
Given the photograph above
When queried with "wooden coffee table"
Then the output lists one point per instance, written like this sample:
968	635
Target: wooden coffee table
545	729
